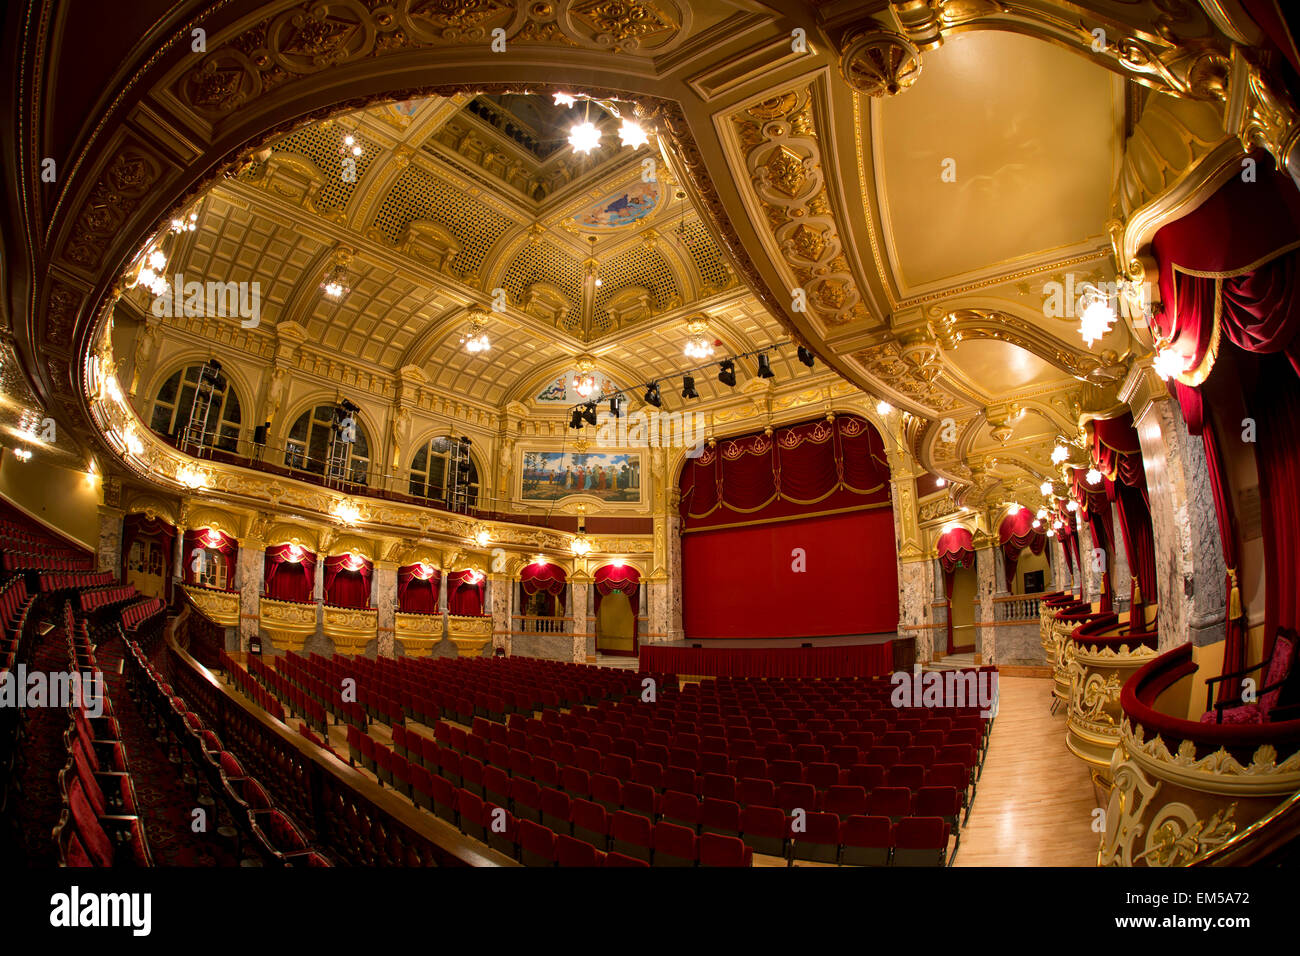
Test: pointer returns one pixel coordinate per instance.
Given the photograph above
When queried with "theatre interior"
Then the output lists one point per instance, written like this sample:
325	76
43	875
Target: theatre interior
737	433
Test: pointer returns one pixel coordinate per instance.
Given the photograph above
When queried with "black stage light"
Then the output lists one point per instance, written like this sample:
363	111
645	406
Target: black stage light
614	406
727	373
765	366
576	420
652	396
806	356
589	413
688	387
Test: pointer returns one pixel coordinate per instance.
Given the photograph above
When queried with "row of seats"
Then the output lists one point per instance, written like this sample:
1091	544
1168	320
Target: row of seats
246	803
249	687
43	561
95	598
51	581
137	615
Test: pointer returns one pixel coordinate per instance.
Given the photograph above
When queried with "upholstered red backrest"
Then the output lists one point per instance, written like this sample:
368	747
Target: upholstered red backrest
87	777
283	834
230	764
1284	651
96	841
76	854
921	833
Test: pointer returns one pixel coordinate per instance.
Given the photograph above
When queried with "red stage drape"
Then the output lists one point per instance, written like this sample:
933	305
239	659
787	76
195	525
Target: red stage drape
347	580
1015	533
417	588
465	591
1117	454
857	660
747	582
1095	508
812	467
289	575
1228	279
625	579
208	540
548	579
1276	409
137	527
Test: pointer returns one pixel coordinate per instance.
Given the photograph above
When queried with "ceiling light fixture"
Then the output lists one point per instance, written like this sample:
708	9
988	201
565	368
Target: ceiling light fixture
940	482
584	382
23	454
1096	314
1059	454
584	137
765	366
186	225
593	265
1093	476
564	99
632	134
688	387
700	343
883	407
475	338
727	373
806	356
581	546
337	282
652	396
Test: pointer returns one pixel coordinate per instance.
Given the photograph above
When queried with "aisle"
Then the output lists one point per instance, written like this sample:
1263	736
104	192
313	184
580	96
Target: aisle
1035	800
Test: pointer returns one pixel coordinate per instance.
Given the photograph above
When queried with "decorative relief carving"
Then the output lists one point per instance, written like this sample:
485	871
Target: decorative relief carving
879	63
113	199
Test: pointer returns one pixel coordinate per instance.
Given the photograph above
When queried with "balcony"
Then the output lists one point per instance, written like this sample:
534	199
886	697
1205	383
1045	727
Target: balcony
220	607
288	623
1187	792
350	628
418	632
470	634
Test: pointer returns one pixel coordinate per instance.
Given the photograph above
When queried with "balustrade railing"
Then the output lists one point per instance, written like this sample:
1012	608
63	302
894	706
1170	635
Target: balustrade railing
535	624
1017	607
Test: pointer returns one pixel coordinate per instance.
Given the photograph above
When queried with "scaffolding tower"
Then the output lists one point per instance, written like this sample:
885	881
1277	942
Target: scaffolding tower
459	485
209	390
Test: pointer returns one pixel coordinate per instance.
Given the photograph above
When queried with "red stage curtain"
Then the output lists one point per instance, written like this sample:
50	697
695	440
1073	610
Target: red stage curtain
289	575
833	466
417	588
954	549
548	579
742	582
1117	454
624	579
465	590
1015	533
857	660
347	580
209	540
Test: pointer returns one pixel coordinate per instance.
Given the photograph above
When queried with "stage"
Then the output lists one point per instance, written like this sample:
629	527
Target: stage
868	655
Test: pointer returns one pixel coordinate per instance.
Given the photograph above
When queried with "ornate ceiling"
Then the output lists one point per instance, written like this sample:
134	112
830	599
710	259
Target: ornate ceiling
899	186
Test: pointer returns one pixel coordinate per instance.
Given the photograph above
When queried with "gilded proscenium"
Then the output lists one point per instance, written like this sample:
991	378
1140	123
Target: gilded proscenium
350	628
288	623
1097	674
221	607
469	634
1186	802
418	633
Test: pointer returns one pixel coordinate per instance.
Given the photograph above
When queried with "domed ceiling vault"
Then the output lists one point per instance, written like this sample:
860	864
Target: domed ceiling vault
897	183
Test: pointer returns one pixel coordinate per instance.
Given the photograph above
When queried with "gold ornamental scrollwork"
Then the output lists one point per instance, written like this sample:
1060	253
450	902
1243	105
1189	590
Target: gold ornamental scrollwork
879	63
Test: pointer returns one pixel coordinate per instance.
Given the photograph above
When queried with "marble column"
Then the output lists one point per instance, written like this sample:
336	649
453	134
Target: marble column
499	592
578	587
673	528
385	600
109	549
985	587
1089	579
915	587
656	591
318	588
1189	552
443	605
251	560
1122	575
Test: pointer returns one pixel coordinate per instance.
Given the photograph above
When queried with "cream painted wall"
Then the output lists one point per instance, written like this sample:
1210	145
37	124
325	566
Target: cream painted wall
59	497
1030	562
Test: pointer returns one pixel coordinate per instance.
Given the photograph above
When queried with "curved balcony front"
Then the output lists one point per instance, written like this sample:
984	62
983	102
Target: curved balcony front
220	607
288	623
469	633
1101	656
418	632
1187	792
350	628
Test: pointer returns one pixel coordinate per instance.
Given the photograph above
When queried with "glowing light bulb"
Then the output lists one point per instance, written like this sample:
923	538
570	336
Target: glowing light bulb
1072	505
1093	476
1045	488
631	134
1169	363
564	99
584	137
883	407
1096	315
1059	454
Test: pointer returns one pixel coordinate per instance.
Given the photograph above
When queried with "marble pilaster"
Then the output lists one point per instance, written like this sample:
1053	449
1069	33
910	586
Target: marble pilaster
251	559
1121	574
656	591
318	588
582	623
915	585
1189	552
499	594
985	587
384	599
109	549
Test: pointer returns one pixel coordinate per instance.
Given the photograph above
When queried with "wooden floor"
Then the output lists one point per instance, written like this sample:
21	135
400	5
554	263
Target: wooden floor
1034	803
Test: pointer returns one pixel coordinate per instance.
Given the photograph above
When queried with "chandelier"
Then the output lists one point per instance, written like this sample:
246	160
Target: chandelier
475	338
337	282
584	382
581	546
1096	314
700	344
585	136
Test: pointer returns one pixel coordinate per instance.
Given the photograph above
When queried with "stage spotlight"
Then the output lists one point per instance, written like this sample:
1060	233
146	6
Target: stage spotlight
652	396
589	413
806	357
576	420
688	387
765	366
614	404
727	373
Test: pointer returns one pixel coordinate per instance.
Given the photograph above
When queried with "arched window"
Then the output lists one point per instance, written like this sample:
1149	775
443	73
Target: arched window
308	446
174	403
431	471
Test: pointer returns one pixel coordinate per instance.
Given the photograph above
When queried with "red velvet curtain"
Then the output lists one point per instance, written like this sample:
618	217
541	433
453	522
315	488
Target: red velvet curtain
417	588
624	579
1117	454
288	573
208	540
347	580
465	592
1016	532
955	549
835	465
1276	409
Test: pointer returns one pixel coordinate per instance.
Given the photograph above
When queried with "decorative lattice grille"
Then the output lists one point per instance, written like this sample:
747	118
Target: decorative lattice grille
641	266
323	146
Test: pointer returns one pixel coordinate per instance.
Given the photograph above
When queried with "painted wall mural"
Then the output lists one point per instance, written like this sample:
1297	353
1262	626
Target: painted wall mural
552	475
620	209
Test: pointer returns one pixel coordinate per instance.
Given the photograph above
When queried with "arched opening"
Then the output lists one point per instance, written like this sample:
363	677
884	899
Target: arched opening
466	591
542	598
209	558
288	573
147	553
617	598
173	405
417	588
347	580
956	553
326	441
443	471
